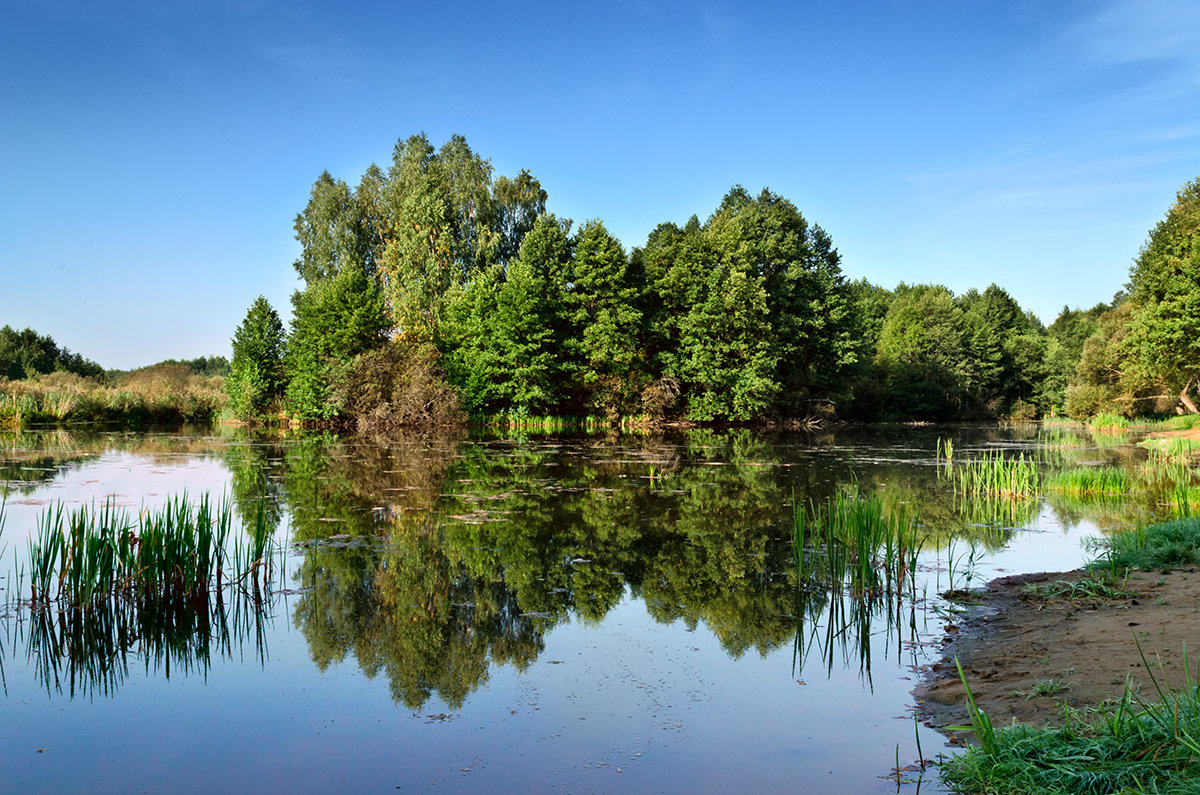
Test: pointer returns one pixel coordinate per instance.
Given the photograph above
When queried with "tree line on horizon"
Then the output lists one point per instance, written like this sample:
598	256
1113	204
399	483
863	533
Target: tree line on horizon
27	355
433	288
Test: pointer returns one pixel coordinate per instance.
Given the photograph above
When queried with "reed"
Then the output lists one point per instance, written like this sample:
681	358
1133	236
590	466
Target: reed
852	544
84	556
1107	421
156	394
995	474
995	512
88	652
1087	481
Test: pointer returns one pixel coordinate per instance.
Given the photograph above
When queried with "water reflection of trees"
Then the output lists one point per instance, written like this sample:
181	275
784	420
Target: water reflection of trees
473	558
430	559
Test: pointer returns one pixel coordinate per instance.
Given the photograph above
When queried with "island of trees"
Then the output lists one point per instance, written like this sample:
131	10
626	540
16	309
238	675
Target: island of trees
434	287
436	291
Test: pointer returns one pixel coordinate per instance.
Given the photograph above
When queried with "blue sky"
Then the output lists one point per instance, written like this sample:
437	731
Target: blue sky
156	154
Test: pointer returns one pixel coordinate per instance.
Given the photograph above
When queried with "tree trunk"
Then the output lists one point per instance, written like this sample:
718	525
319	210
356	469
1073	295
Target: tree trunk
1187	401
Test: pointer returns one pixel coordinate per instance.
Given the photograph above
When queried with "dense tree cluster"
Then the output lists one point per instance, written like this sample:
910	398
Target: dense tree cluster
1144	355
25	354
461	281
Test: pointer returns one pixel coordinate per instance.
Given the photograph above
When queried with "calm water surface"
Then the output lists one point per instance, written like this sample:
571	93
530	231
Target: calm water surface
583	614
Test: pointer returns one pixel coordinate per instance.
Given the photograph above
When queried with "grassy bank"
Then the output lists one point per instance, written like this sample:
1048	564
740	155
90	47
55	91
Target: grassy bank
1133	745
161	394
1143	741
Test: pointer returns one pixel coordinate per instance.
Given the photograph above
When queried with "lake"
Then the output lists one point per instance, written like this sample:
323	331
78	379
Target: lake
547	613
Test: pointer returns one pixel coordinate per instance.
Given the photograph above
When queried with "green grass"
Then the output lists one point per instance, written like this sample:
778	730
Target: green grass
995	474
1107	421
1089	587
1182	422
1130	746
87	555
1172	543
1086	481
1046	687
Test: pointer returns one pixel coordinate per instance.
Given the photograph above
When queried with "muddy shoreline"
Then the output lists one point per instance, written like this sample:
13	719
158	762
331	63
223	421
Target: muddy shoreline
1027	652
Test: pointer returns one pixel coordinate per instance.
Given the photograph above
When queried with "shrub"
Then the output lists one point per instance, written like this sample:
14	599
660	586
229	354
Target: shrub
400	384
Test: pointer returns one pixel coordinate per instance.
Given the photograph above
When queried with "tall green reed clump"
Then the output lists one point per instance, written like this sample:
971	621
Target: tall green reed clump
1107	421
1084	481
1131	746
90	553
997	475
851	543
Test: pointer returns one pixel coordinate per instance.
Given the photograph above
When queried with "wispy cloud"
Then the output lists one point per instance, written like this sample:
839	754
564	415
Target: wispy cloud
328	58
1131	31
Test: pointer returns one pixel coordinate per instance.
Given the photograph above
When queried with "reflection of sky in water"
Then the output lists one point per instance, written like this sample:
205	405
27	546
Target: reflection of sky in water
132	481
623	704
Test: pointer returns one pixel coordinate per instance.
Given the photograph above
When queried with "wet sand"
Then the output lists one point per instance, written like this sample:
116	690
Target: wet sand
1026	655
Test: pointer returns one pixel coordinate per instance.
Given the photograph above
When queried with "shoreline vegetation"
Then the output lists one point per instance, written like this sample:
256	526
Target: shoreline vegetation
1079	681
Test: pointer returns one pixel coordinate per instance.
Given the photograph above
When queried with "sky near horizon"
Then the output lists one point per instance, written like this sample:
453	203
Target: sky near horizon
156	154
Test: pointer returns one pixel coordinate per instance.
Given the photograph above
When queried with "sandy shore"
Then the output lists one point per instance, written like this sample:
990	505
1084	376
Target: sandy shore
1026	654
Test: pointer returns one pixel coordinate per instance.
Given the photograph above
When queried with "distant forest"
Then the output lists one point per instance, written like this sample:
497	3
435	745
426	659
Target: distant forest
28	354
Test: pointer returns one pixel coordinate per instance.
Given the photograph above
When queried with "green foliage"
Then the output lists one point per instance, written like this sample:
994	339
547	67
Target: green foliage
1107	380
26	354
331	232
208	366
1064	348
256	379
507	333
604	304
1170	543
1164	333
749	313
745	316
333	321
421	228
1148	344
1006	352
923	354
